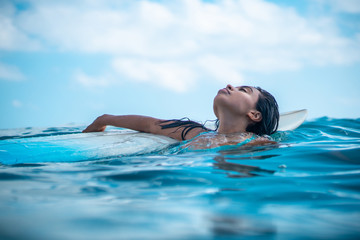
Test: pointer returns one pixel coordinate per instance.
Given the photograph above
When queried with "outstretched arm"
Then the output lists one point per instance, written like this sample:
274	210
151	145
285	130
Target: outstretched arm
134	122
138	123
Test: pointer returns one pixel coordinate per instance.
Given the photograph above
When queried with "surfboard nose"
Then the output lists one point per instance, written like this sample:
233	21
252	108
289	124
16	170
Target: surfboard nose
292	120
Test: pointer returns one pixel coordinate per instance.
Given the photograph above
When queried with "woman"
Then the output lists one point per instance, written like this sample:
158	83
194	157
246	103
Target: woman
244	114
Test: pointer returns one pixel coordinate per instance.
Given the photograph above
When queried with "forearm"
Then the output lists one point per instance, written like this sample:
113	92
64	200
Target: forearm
134	122
139	123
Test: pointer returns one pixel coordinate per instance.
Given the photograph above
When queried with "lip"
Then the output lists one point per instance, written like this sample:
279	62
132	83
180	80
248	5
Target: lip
224	90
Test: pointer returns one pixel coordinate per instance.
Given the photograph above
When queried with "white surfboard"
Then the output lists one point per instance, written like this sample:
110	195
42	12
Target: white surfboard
80	146
292	120
84	146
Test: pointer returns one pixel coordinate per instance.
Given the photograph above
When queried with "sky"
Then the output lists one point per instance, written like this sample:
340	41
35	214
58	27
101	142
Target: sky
66	62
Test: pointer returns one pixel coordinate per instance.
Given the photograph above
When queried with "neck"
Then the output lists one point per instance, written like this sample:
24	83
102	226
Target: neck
230	125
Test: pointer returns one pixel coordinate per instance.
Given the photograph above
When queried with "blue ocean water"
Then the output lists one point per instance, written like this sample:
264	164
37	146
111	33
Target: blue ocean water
54	185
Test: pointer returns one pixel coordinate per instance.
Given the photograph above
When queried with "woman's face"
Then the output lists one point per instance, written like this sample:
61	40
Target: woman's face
236	100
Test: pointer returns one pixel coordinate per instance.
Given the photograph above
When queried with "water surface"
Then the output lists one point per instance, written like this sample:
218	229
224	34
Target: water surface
306	187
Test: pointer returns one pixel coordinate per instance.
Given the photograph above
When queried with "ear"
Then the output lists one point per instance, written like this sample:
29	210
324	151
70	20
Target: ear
255	115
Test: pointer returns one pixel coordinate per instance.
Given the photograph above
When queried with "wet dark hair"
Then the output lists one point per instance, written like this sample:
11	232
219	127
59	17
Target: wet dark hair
269	109
184	123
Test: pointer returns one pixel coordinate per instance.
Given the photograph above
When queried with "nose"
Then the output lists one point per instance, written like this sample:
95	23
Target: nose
230	87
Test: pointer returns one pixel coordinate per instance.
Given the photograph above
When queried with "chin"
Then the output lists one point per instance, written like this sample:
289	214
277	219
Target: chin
219	96
220	99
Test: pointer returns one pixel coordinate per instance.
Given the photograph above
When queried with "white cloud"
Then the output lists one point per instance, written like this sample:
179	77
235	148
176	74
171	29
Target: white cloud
91	82
11	35
174	76
10	73
175	43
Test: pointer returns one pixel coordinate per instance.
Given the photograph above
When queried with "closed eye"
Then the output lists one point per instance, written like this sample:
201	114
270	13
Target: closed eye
242	89
246	89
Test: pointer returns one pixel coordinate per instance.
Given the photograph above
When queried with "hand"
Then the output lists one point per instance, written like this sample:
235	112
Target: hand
92	128
96	126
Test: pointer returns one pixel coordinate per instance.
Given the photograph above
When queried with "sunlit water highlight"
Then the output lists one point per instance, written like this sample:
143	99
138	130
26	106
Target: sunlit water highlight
307	187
